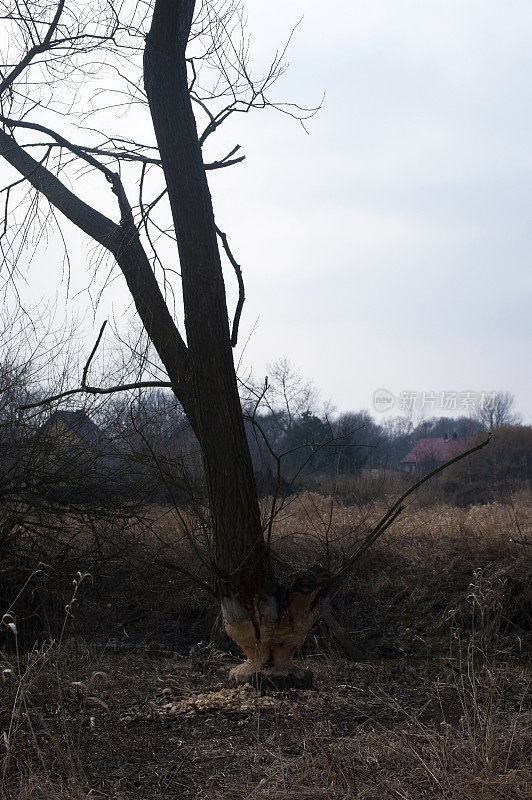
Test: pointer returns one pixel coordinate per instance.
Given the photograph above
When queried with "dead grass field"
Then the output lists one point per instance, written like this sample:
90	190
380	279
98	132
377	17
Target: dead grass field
437	706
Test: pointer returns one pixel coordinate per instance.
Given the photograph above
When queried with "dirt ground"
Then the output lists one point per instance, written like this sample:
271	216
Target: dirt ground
84	723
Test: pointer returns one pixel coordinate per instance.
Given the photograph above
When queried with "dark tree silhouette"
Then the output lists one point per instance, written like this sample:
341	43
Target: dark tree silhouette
267	611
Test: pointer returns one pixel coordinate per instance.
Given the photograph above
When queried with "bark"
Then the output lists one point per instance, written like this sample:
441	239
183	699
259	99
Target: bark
239	553
265	624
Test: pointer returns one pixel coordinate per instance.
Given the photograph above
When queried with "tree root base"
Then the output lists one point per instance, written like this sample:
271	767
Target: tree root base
272	679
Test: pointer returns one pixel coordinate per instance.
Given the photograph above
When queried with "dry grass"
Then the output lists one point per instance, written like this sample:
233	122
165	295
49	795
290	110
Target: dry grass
439	707
311	514
383	729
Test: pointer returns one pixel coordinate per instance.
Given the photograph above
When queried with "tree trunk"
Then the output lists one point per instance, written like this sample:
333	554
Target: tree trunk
239	557
267	626
266	622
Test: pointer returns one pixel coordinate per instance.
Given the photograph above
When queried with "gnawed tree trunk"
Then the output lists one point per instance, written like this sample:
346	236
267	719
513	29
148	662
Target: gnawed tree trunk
270	638
263	619
267	626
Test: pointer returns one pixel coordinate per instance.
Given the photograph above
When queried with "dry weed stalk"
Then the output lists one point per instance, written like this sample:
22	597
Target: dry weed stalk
32	750
480	677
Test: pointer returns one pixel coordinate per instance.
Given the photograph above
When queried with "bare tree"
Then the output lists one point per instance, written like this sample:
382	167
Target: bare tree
288	395
170	59
496	410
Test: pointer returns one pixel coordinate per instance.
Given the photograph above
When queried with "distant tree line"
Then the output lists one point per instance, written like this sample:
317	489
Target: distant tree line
139	448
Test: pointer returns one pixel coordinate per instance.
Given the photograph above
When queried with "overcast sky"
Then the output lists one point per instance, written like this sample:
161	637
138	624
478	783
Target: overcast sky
390	247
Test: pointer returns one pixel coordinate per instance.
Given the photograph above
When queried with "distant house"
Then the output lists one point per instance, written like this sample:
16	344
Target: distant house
81	463
74	429
432	450
72	456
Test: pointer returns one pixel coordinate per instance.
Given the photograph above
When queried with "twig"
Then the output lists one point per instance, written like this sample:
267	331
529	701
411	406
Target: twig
93	353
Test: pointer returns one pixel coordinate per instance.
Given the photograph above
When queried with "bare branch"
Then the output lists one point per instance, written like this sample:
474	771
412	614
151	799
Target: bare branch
98	390
240	279
395	510
124	243
84	388
42	47
88	219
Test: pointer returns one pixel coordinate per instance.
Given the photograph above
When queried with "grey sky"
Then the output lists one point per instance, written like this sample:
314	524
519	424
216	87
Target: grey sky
391	247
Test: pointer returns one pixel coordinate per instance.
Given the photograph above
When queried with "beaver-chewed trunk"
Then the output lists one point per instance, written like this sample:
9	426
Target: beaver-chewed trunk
270	636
